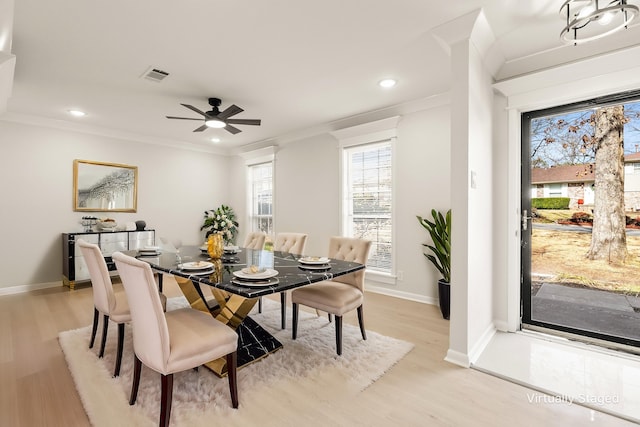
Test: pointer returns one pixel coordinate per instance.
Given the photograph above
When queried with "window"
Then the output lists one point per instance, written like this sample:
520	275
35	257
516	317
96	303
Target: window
261	197
367	208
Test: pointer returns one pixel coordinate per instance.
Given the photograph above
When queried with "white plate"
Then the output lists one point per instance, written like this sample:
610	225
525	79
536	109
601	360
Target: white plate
231	248
311	267
253	284
148	253
203	272
196	265
204	248
151	248
314	260
247	275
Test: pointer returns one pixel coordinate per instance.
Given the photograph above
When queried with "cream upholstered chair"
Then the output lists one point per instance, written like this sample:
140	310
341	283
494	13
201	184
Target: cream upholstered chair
176	341
254	240
292	243
111	303
339	295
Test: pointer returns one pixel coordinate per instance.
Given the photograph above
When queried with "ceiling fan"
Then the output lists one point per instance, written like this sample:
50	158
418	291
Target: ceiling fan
219	119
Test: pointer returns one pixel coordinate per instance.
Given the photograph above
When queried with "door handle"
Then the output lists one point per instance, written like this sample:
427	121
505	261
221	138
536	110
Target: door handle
525	220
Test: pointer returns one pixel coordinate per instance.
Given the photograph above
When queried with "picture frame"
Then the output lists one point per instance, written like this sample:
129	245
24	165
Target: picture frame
104	187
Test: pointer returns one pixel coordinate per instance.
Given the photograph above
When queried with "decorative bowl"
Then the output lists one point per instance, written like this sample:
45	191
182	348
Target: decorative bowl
107	225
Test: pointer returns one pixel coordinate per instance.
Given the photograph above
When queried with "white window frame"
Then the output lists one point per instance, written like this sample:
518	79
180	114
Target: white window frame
370	133
253	159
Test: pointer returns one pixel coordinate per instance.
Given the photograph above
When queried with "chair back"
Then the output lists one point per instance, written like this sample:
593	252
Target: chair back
149	326
103	298
255	240
350	249
292	243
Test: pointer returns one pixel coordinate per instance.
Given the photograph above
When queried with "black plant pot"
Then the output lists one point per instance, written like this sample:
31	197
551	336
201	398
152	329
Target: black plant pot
140	225
444	295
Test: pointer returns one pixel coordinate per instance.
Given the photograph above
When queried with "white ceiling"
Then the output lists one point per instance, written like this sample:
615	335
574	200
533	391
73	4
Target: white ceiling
294	64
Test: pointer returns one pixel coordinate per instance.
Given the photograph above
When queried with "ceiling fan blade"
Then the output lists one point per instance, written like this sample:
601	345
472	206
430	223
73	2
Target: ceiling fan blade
253	122
181	118
192	108
232	129
231	111
201	128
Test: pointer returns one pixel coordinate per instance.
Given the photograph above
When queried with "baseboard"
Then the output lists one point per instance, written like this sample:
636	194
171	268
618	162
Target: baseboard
482	343
458	358
26	288
400	294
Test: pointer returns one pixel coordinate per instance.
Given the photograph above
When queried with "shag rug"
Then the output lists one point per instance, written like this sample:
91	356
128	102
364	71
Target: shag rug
306	374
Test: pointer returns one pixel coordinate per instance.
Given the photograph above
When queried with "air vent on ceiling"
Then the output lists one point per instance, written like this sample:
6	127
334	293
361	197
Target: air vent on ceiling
155	74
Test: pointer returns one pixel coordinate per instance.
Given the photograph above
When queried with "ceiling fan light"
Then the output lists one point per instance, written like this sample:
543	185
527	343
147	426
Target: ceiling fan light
215	123
612	15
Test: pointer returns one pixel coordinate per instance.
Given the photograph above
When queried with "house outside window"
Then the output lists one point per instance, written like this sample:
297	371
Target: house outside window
367	211
261	197
367	188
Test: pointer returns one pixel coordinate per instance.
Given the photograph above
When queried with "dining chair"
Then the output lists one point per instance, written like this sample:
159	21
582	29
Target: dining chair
292	243
111	303
174	341
255	240
340	294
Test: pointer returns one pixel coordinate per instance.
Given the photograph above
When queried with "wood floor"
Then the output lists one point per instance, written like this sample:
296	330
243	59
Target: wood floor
36	388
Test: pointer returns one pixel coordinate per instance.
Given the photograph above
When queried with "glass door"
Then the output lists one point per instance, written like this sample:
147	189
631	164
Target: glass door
580	252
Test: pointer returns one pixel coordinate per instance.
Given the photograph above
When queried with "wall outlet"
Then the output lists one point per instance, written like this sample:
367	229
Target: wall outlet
400	275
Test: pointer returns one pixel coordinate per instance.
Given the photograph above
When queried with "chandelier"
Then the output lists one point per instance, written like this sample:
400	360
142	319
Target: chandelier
589	20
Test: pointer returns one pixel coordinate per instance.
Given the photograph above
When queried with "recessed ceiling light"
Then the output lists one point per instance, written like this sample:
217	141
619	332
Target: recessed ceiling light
77	113
387	83
216	140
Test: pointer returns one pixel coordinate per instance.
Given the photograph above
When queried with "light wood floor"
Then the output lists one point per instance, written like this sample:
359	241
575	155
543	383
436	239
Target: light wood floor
36	388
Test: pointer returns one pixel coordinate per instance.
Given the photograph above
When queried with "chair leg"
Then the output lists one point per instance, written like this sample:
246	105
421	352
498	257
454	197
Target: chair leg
260	305
116	372
361	322
232	363
137	367
294	322
165	400
339	335
283	310
105	327
330	317
94	329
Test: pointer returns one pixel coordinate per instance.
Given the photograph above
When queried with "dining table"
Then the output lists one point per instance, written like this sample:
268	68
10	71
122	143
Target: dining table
236	281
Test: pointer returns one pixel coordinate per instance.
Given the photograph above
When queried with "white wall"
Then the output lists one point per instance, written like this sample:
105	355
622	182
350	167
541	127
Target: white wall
307	188
473	241
307	185
175	188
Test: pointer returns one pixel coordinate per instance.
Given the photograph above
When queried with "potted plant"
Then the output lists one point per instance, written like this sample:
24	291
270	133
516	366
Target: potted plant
440	231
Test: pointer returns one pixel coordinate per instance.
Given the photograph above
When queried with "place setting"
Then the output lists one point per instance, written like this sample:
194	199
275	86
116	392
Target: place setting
254	276
314	263
197	268
149	251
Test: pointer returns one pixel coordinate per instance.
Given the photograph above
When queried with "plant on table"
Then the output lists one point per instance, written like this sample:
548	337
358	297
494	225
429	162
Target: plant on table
221	220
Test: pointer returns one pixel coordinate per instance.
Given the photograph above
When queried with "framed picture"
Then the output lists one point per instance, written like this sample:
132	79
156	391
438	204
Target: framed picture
104	187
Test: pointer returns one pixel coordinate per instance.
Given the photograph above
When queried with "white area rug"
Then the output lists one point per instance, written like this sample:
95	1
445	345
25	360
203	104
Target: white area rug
302	376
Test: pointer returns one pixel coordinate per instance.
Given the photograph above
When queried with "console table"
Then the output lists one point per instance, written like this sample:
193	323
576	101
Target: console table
74	268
